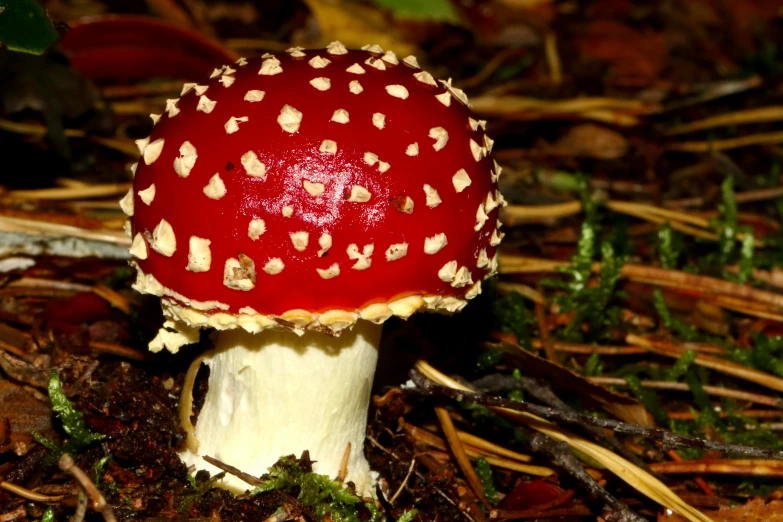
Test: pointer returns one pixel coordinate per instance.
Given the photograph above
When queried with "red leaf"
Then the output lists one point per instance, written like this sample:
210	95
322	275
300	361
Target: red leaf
81	308
127	47
528	495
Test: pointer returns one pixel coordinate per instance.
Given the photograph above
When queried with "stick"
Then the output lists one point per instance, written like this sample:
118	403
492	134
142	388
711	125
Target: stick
99	503
669	439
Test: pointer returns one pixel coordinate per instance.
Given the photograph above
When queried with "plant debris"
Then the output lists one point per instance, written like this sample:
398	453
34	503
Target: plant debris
627	364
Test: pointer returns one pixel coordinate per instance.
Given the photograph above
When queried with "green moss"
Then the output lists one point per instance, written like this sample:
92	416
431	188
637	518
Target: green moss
72	423
324	495
484	472
512	315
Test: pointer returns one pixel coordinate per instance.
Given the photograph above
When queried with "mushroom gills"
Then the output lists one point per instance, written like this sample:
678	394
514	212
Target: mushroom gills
276	393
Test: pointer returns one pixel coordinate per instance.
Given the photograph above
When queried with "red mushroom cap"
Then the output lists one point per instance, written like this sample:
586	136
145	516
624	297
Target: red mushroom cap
311	188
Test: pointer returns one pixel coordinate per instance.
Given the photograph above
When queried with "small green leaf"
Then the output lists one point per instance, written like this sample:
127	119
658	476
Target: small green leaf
407	516
48	515
25	27
432	10
594	367
73	424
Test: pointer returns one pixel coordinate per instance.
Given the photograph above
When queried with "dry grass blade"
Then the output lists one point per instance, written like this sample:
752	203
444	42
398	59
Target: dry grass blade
759	467
34	129
476	447
553	59
613	110
30	495
523	290
626	471
63	193
513	215
458	449
513	264
713	363
42	228
766	400
727	144
761	115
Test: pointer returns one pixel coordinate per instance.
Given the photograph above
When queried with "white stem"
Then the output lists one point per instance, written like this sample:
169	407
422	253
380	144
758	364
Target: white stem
276	393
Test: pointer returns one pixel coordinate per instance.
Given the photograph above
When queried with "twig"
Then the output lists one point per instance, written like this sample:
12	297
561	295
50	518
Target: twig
99	503
669	439
515	461
29	495
553	58
544	393
238	473
491	66
459	454
404	481
640	480
81	507
716	90
714	363
727	144
712	390
562	455
759	115
758	467
423	478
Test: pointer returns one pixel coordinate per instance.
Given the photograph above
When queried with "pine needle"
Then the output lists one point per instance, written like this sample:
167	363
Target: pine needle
635	477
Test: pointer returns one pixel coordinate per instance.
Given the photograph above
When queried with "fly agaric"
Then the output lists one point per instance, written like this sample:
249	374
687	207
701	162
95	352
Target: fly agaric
293	203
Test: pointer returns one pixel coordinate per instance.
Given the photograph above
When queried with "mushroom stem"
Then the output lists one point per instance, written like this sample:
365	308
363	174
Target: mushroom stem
276	393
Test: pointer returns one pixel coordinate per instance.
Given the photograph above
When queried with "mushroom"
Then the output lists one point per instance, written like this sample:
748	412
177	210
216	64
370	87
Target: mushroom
293	203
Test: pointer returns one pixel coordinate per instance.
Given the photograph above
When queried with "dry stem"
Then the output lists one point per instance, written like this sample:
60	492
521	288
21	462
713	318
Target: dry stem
99	503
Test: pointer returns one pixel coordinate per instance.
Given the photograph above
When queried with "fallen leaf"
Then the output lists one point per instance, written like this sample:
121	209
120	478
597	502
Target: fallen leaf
528	495
592	141
356	25
80	308
24	412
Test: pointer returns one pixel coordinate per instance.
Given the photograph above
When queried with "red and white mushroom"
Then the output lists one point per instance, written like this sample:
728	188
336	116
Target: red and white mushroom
294	203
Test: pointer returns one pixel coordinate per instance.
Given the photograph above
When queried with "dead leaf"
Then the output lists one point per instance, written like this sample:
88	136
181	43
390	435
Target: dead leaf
754	510
357	25
24	412
592	141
